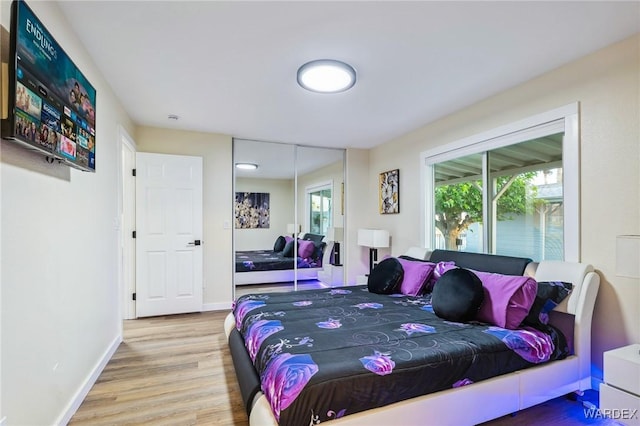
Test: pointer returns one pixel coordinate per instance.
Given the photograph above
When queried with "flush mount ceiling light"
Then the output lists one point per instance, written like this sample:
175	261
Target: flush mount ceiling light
326	76
246	166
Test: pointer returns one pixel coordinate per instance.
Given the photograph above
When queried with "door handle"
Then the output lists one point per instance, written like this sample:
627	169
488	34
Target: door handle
194	243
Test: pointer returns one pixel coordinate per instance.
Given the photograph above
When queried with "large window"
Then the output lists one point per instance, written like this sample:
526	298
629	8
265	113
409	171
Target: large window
514	194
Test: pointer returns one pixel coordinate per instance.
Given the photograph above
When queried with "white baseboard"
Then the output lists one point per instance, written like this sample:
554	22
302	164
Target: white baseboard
216	307
82	392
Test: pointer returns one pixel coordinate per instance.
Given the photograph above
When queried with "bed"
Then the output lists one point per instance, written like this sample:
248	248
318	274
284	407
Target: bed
392	373
273	266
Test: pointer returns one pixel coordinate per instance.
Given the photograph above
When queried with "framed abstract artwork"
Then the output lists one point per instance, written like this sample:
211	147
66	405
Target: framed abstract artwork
389	187
252	210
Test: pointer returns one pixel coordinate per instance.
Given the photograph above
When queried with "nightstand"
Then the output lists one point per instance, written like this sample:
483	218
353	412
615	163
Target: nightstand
620	392
332	275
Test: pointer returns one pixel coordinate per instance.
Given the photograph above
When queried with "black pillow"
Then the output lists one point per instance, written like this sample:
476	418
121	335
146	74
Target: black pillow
316	238
288	248
549	295
279	244
386	277
457	295
319	251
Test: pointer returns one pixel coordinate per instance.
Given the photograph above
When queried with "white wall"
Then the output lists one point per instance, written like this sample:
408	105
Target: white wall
216	151
607	85
59	239
357	201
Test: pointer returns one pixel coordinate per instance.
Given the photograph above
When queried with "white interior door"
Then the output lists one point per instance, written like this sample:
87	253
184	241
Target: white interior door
168	234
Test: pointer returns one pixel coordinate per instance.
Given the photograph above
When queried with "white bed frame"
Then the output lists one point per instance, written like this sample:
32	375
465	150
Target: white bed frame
266	277
492	398
285	275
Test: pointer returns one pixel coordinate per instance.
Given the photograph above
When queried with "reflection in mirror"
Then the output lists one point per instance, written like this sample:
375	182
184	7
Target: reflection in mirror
293	192
320	206
264	211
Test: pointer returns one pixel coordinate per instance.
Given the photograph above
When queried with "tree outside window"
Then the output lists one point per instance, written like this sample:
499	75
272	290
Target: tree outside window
525	211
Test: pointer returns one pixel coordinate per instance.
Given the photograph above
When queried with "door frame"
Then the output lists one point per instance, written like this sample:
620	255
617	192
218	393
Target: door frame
126	243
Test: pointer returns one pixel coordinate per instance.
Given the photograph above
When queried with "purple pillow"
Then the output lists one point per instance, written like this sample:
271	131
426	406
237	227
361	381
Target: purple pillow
416	275
507	299
438	271
305	249
287	239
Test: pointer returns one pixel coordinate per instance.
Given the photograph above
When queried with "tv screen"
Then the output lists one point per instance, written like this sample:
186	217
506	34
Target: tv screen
52	106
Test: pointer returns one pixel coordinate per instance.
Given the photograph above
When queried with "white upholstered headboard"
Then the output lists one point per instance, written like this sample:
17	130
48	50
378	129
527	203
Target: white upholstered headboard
575	273
580	303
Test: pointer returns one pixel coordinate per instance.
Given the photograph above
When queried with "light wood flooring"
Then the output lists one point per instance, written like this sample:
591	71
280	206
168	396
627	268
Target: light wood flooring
177	370
173	370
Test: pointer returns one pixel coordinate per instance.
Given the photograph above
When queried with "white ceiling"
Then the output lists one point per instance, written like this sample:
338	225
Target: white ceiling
230	66
281	161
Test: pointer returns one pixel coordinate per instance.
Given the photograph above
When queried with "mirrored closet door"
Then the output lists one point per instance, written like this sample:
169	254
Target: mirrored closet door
288	214
320	206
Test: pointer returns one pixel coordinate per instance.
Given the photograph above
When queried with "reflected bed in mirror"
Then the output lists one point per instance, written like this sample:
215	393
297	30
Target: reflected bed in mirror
280	263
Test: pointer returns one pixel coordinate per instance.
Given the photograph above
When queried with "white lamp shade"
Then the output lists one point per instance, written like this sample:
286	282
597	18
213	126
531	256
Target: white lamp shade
293	229
374	238
335	234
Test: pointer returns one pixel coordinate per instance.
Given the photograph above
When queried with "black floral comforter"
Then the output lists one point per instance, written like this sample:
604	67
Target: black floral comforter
269	260
323	354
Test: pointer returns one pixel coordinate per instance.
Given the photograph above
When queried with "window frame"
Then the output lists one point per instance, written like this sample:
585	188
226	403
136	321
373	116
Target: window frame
564	119
309	190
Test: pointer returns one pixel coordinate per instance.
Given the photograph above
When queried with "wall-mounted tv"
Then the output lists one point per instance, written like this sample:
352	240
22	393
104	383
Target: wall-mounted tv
52	106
